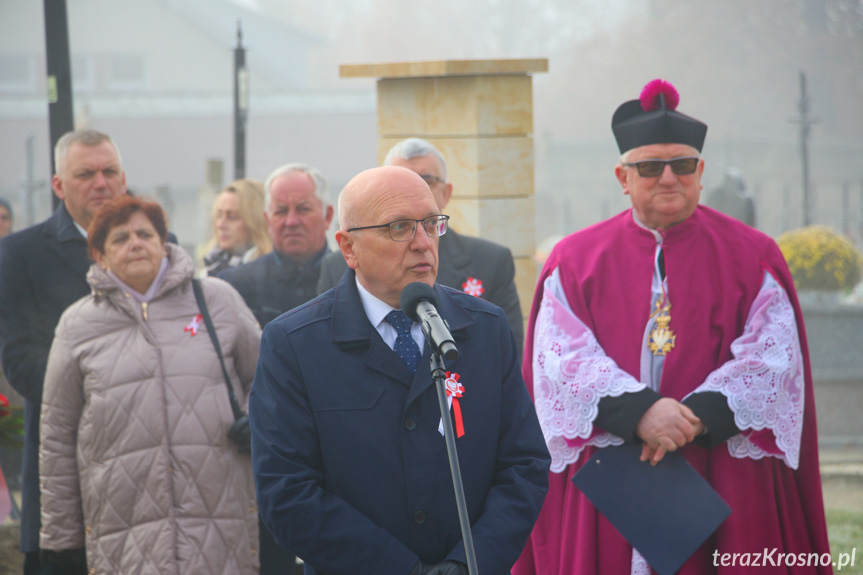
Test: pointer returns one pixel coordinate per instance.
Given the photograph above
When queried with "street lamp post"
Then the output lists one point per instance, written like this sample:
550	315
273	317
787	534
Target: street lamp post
805	121
60	116
241	106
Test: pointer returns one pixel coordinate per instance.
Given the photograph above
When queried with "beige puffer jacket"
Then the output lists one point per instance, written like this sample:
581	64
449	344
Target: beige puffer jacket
135	460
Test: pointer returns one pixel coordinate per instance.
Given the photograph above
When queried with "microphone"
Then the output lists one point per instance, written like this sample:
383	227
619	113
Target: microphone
419	301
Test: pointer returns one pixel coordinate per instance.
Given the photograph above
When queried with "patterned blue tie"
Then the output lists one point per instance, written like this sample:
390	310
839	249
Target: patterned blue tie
405	345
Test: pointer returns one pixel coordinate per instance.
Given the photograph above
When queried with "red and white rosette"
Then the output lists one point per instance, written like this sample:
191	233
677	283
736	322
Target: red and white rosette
454	390
473	286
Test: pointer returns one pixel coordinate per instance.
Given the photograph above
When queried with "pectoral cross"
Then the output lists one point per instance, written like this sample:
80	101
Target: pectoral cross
661	339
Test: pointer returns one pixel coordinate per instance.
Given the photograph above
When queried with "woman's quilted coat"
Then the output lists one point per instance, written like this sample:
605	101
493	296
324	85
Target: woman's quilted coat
135	461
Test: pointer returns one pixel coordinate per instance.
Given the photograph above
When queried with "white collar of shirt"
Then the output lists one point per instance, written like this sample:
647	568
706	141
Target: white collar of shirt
657	277
80	229
641	224
377	310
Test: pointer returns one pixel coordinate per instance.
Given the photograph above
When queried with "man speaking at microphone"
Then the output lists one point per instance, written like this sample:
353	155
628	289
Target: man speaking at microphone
349	458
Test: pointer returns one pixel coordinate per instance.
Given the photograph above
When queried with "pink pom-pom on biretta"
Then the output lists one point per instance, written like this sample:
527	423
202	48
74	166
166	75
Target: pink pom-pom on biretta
650	95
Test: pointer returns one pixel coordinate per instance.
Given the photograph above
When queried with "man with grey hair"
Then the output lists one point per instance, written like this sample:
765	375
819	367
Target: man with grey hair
42	271
298	214
473	265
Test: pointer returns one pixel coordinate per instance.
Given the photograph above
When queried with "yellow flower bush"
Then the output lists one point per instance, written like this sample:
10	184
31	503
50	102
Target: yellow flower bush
821	259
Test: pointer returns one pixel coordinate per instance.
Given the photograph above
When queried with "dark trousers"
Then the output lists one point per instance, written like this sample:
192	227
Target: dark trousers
275	559
33	566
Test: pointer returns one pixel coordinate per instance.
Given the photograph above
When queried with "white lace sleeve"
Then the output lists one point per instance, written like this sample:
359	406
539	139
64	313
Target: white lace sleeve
764	383
571	373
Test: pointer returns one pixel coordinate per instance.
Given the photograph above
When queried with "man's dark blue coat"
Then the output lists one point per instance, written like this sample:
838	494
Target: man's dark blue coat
350	468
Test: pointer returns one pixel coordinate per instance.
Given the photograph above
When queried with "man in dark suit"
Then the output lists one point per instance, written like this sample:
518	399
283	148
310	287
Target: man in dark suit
473	265
298	216
42	271
350	465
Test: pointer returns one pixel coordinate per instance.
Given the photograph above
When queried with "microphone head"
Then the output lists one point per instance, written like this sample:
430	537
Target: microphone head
412	294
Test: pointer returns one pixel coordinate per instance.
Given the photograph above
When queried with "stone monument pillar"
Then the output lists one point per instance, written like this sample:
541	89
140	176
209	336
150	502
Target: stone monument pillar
479	114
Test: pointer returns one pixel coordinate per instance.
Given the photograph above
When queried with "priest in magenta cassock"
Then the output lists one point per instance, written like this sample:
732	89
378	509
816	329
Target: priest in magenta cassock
674	327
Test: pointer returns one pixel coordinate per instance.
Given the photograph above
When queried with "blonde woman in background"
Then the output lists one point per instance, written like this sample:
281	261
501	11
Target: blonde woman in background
239	229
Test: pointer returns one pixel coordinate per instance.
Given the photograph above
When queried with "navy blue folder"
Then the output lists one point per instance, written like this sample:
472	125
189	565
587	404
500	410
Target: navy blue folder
666	512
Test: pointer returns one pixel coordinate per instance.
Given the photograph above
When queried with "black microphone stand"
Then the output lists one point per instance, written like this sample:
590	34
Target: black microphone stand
438	373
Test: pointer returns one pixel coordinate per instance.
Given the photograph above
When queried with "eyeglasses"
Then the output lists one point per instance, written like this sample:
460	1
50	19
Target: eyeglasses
405	230
431	180
654	168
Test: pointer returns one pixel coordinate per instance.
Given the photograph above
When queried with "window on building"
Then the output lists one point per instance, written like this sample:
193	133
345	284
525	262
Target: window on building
16	74
82	73
126	72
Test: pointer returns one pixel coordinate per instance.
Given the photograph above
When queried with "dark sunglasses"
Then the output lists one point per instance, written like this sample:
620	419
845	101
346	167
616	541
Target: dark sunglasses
654	168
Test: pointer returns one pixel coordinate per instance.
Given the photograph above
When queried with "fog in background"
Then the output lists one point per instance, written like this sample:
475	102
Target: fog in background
736	64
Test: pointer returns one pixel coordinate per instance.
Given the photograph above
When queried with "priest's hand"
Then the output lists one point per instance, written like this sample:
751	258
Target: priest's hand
666	426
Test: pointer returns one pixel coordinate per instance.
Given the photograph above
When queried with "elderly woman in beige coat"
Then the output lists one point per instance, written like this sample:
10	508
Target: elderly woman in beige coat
136	466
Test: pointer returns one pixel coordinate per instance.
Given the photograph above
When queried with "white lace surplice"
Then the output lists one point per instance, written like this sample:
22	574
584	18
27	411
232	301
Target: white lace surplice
571	373
763	383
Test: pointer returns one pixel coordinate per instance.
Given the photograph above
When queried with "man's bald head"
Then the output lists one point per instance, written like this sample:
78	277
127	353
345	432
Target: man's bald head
371	200
369	187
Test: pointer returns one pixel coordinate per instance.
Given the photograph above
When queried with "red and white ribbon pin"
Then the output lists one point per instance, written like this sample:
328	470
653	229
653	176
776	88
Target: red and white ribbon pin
195	324
454	390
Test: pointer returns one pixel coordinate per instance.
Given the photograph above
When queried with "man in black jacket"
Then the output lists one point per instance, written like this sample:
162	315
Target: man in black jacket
42	271
298	215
